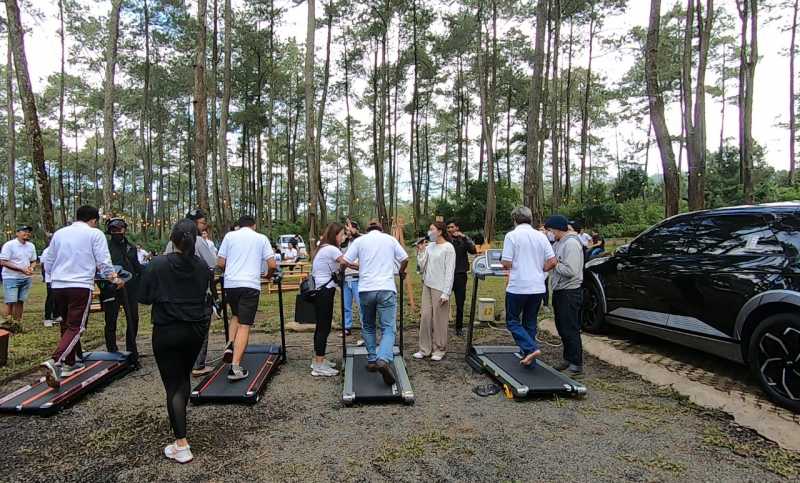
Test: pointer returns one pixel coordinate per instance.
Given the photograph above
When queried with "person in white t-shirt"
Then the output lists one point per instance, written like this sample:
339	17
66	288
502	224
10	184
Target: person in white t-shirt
324	269
18	259
290	255
379	255
143	255
528	255
209	242
243	255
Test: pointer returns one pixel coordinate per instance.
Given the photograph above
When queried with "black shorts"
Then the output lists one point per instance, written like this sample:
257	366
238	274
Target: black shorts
243	302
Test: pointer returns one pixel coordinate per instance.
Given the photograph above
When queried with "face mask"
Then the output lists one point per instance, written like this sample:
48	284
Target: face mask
432	236
117	237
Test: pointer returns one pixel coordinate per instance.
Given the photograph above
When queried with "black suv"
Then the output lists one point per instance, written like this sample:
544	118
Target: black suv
724	281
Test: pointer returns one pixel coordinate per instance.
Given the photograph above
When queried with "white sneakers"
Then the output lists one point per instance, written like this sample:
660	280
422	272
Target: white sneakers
437	356
419	355
181	454
322	370
326	362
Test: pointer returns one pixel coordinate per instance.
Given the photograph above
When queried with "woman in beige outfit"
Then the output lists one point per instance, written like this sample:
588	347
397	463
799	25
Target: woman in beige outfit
437	264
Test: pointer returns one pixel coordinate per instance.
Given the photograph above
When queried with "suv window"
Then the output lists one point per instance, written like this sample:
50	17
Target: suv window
787	229
669	238
736	234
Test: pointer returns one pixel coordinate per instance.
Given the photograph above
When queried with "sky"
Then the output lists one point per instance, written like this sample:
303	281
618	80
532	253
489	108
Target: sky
770	99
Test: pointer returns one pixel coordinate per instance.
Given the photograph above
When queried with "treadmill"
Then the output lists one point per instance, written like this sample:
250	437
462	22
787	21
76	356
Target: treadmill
502	362
361	385
261	361
100	369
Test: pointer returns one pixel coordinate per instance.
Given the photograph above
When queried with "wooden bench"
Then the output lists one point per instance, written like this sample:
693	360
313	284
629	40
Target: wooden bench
291	281
96	306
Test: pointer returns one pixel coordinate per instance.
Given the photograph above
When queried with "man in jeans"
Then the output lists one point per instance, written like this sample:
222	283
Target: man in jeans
527	255
378	254
463	246
350	286
18	259
566	282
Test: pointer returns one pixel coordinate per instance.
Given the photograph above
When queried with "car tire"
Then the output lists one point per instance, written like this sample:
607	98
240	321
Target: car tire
592	318
774	358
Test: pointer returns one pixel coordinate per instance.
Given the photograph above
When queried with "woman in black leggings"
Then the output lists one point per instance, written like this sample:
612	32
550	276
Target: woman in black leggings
176	285
326	264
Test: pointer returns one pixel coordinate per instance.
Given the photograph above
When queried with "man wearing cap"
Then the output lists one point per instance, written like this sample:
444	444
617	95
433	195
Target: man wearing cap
378	255
528	256
76	253
125	255
566	281
202	250
18	259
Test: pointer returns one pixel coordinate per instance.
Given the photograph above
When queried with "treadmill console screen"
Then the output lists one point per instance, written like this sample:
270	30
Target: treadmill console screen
494	257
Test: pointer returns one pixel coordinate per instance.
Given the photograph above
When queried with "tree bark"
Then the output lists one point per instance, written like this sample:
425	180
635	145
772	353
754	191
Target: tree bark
792	106
214	134
554	114
11	214
62	201
311	158
657	118
109	147
487	126
17	40
585	109
326	80
532	176
222	142
748	12
201	110
147	160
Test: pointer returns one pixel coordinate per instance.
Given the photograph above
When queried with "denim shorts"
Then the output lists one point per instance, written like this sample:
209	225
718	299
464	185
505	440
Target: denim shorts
16	289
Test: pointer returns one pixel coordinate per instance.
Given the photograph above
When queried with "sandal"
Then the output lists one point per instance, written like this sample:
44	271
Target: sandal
486	390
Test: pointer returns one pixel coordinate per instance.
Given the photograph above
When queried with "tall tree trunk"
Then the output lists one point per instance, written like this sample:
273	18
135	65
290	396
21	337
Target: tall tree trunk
748	12
532	176
311	158
222	142
585	109
109	147
696	115
487	112
459	129
148	162
214	135
415	194
11	136
201	110
17	40
351	162
325	81
656	102
554	114
62	202
270	113
792	106
380	95
568	118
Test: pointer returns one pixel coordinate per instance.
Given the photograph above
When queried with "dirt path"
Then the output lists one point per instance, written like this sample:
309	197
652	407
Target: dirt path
625	429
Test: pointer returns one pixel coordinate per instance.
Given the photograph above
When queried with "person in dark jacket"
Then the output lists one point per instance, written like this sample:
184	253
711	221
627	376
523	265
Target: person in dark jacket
123	254
464	247
176	285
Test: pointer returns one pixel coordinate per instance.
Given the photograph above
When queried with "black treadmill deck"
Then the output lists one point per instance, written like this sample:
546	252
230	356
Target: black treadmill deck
261	361
38	398
502	363
364	386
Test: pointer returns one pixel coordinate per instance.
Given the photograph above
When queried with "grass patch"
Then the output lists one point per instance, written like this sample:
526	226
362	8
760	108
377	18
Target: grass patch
415	447
775	459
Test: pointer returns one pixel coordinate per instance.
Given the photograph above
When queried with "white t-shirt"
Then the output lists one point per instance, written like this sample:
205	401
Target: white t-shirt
527	250
75	254
21	255
290	253
142	254
325	264
245	252
378	255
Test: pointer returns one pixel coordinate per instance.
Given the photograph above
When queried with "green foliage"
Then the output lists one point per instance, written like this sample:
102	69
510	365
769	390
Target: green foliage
631	184
470	209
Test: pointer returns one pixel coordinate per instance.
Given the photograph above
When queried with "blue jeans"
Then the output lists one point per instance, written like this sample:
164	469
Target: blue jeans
350	294
16	289
522	313
378	306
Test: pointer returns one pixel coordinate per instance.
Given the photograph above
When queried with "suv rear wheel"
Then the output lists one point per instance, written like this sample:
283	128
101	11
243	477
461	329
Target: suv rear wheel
592	317
774	356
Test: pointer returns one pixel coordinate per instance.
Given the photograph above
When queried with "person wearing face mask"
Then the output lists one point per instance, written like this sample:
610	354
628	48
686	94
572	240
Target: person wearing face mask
123	254
437	264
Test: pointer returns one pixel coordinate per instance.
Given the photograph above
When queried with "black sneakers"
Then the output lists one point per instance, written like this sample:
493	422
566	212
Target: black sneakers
227	356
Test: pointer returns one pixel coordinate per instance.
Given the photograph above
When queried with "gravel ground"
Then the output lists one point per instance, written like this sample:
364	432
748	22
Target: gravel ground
625	429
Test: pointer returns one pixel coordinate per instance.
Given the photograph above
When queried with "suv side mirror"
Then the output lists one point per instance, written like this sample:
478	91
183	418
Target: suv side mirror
622	250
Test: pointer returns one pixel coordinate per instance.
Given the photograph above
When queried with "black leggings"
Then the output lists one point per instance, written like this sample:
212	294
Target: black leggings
175	347
323	309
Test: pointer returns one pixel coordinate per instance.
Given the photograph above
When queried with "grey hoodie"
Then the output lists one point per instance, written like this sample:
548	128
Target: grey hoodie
568	274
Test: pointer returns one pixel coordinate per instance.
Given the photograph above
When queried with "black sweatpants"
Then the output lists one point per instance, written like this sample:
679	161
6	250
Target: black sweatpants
127	298
49	304
323	309
175	347
460	290
567	310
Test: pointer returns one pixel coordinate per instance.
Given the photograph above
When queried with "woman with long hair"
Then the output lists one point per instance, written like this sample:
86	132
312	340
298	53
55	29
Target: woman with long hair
437	264
176	285
324	268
